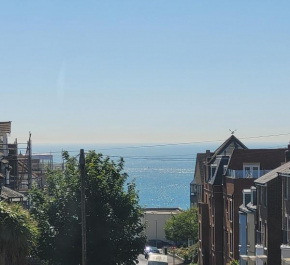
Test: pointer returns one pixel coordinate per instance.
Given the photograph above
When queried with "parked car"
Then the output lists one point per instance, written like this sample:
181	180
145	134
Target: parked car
157	259
150	249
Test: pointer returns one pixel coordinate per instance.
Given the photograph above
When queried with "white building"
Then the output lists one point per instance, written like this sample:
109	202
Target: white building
155	219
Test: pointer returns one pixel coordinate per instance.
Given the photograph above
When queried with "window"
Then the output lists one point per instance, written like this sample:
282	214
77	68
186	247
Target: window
231	210
225	169
227	205
212	170
251	170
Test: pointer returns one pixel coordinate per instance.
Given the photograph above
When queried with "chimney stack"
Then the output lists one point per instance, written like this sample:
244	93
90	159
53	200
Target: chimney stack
287	154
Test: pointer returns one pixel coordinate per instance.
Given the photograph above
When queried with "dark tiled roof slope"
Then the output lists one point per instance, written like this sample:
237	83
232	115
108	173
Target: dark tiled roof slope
217	177
231	140
273	174
268	158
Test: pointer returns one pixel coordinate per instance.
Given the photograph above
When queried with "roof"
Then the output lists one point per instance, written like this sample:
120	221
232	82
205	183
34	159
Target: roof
273	174
232	140
199	168
7	193
267	158
216	179
193	182
162	210
5	127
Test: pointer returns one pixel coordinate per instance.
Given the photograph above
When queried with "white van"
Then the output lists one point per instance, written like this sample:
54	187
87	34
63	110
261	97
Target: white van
157	259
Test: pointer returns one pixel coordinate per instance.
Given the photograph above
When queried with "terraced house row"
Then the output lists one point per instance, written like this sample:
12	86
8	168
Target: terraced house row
243	198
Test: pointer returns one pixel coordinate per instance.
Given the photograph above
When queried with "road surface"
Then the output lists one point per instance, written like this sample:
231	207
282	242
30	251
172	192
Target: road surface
143	261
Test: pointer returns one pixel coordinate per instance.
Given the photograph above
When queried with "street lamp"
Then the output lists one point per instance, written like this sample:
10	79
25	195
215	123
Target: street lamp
156	232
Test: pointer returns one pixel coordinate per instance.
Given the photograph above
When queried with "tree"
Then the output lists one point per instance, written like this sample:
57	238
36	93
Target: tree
115	234
18	234
182	226
234	262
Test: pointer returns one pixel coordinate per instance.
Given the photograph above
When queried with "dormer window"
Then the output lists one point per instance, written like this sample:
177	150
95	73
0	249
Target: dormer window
251	170
212	170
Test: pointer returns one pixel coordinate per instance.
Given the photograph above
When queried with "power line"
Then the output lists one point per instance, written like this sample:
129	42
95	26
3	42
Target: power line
196	142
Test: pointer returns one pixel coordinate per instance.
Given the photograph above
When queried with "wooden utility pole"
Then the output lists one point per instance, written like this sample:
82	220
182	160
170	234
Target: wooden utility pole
29	163
83	207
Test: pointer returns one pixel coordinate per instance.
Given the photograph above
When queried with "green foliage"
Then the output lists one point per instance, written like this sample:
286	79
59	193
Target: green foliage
114	229
234	262
186	252
18	234
182	226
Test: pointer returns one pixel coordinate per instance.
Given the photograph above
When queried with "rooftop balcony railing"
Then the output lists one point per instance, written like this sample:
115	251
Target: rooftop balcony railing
246	174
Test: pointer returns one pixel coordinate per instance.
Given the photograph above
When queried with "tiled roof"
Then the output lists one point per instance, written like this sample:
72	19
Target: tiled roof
273	174
199	168
267	158
199	174
218	175
5	127
231	140
7	193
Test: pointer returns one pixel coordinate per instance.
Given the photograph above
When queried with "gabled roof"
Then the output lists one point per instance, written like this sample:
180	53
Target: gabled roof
267	158
273	174
231	140
5	127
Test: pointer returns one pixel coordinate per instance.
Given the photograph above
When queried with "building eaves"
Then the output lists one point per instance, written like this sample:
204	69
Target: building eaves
273	174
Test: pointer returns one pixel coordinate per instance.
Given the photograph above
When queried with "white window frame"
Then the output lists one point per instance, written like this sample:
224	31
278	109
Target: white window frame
251	166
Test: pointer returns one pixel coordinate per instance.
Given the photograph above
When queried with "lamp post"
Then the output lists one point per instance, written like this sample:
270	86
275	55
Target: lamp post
156	232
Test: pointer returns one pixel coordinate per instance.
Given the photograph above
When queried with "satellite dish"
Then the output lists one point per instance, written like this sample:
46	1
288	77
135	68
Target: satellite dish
4	161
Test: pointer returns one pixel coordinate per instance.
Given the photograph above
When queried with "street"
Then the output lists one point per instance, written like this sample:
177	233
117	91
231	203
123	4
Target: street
143	261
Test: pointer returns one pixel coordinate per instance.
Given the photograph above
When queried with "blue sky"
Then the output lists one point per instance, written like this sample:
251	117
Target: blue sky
144	71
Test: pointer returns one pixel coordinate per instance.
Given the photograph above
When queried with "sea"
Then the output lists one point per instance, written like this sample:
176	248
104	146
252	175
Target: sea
162	173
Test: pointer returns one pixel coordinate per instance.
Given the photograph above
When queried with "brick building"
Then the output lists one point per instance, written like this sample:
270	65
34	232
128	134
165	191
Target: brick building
209	171
245	166
269	217
221	178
